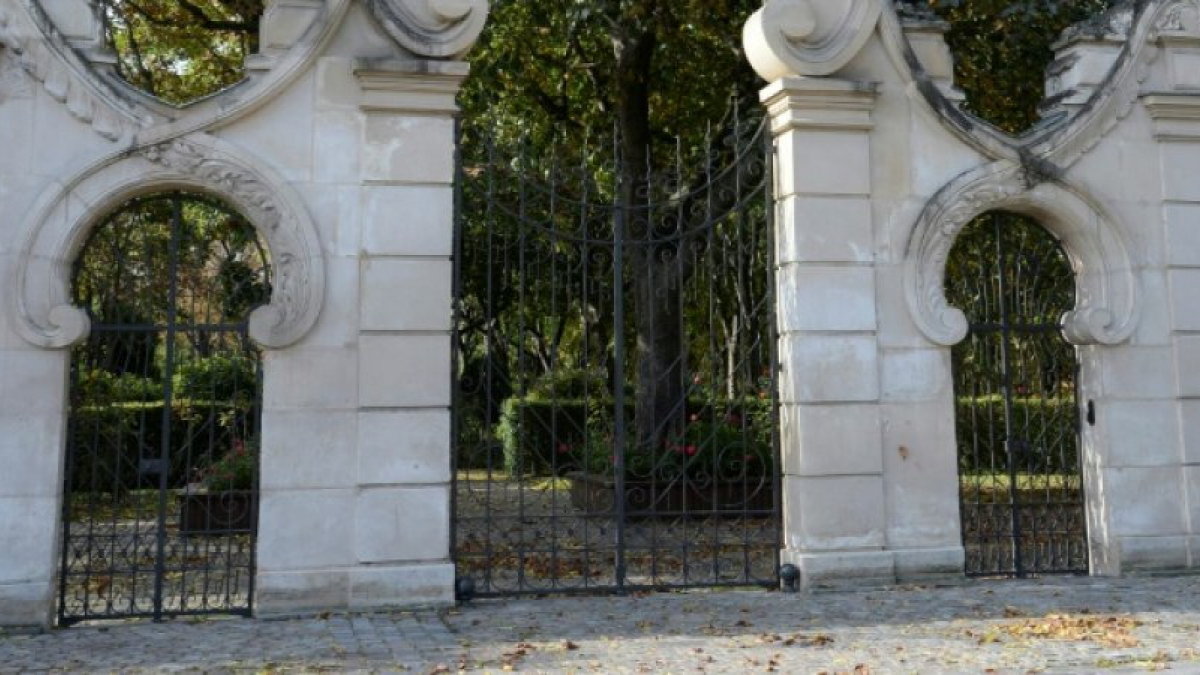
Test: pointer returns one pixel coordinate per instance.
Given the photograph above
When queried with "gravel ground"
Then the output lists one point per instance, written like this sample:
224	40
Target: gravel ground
1057	625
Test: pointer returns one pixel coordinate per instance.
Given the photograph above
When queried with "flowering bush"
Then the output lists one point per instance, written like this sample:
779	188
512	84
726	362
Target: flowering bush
728	448
235	470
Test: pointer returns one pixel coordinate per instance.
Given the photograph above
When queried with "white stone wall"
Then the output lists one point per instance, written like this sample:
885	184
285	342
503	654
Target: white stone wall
340	149
878	170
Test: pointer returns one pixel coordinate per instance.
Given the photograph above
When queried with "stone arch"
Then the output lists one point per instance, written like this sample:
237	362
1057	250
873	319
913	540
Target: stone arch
1107	292
59	224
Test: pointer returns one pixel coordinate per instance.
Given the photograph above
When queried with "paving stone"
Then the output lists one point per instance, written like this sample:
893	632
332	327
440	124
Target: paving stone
1060	625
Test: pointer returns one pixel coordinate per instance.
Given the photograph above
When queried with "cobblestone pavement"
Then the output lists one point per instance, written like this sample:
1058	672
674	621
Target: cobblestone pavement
1057	625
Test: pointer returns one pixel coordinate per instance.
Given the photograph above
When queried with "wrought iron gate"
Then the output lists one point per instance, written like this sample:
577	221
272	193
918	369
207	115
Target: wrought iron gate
615	422
160	501
1018	422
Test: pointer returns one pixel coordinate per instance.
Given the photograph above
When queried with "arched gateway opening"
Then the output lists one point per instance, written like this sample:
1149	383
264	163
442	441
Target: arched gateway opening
1017	419
160	504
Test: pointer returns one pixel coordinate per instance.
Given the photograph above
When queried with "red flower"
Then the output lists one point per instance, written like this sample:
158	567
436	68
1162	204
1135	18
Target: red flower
563	448
691	450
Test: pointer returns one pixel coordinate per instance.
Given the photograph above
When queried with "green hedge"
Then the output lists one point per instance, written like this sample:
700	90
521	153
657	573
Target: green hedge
108	441
1049	428
540	437
553	437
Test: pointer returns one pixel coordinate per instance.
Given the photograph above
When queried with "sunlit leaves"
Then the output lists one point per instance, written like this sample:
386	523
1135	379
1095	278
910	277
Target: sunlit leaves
182	50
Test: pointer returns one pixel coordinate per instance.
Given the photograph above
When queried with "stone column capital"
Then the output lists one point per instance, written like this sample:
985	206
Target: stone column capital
411	87
796	103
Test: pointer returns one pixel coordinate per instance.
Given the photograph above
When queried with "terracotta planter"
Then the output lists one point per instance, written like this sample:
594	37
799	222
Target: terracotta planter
209	513
673	497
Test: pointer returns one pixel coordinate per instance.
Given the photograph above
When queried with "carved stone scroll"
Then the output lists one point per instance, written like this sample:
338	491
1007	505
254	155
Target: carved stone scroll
442	29
61	221
1106	309
808	37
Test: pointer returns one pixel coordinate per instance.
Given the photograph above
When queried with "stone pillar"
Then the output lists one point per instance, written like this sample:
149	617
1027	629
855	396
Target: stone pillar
33	386
402	539
833	498
360	520
33	381
1160	475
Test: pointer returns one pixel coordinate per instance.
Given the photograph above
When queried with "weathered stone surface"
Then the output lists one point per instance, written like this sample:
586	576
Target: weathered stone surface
339	149
879	171
386	530
404	447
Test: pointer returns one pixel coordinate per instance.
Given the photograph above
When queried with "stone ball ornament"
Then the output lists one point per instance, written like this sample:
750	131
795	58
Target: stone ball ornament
813	38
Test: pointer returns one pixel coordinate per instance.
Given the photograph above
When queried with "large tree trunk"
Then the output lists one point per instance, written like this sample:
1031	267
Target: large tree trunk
654	270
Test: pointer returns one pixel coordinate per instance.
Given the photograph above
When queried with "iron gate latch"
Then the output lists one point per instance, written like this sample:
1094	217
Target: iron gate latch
149	465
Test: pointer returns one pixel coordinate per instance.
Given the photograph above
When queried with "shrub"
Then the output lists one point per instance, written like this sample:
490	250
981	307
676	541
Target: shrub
102	386
572	384
545	437
108	442
236	469
1047	428
218	378
727	448
541	437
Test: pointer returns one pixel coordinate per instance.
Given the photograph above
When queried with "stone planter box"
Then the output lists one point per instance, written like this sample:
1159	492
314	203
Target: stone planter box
209	513
671	498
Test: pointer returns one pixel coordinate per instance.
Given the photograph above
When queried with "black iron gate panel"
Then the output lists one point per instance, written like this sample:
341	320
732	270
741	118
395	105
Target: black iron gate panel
160	499
615	421
1021	483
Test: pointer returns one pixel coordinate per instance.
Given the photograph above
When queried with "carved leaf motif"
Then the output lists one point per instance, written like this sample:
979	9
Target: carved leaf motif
14	83
30	47
287	315
199	162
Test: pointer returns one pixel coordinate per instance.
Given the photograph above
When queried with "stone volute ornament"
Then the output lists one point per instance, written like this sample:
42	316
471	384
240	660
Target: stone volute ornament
1106	303
441	29
808	37
62	220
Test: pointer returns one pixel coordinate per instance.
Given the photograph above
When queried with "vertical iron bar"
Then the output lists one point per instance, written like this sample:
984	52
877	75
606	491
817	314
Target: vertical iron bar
773	337
455	338
619	216
168	395
256	481
488	365
1011	445
68	493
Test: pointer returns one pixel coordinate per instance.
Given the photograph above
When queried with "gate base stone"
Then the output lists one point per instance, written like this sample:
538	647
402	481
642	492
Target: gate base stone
844	569
1154	554
22	604
355	589
930	564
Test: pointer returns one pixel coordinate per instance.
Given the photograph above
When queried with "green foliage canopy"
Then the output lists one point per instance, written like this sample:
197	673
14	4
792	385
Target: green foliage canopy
1001	51
182	50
